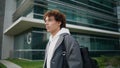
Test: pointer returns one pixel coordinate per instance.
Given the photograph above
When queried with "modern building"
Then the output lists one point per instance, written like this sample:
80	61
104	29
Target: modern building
93	23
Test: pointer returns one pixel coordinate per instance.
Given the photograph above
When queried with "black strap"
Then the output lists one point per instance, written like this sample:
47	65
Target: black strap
64	53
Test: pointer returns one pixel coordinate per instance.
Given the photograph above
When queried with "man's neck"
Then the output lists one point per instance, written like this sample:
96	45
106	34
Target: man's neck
55	32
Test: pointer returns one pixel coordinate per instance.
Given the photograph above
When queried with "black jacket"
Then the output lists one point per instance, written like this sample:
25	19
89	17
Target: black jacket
73	55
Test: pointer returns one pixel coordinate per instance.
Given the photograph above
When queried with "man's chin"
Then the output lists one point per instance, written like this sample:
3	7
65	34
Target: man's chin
48	30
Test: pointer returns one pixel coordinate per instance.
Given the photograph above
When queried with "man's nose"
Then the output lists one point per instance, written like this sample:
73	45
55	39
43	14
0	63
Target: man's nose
46	23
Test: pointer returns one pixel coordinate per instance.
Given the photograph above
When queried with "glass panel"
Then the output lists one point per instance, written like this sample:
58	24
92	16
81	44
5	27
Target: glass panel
109	3
39	9
23	54
39	40
21	41
98	45
38	55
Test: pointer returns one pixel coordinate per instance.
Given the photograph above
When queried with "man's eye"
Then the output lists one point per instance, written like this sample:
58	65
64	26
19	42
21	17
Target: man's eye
50	20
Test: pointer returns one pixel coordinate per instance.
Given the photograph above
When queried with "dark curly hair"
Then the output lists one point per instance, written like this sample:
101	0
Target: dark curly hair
57	15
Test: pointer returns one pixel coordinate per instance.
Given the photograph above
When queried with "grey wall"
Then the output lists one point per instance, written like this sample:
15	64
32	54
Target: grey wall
8	41
2	10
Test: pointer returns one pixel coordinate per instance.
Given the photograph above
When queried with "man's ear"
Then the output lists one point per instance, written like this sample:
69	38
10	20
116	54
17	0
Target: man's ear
59	23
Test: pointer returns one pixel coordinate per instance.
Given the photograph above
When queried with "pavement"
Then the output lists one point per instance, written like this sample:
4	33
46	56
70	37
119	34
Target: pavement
9	64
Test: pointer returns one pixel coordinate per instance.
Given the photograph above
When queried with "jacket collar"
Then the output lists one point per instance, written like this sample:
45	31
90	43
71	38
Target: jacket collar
60	40
57	44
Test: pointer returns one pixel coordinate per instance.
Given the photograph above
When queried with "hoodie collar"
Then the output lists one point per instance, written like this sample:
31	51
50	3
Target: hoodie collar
62	30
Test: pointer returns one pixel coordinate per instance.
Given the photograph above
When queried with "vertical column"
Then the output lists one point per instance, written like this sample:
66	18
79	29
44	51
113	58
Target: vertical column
2	10
7	41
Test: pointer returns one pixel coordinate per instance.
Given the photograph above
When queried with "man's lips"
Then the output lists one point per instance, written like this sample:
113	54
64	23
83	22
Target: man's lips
47	27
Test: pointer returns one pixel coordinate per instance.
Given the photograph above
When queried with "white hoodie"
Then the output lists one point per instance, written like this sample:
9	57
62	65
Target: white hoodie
52	42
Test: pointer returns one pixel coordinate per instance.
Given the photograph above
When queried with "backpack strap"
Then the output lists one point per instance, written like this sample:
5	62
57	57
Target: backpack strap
64	52
64	45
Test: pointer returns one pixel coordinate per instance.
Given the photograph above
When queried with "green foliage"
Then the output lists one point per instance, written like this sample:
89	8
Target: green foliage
2	66
27	64
105	61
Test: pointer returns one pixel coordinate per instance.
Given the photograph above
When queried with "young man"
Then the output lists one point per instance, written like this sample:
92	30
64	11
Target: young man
55	57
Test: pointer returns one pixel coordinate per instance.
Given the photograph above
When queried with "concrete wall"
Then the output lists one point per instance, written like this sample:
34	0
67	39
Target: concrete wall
8	41
2	10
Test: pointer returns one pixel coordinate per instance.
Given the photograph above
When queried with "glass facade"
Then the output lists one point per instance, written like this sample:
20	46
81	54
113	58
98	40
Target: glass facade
100	14
104	6
75	15
98	45
31	44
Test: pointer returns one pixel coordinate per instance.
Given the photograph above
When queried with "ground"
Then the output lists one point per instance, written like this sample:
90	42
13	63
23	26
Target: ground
103	62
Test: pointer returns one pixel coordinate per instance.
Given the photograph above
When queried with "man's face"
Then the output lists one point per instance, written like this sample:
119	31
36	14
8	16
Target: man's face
51	24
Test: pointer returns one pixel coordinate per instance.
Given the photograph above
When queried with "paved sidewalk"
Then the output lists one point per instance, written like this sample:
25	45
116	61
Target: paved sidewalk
9	64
